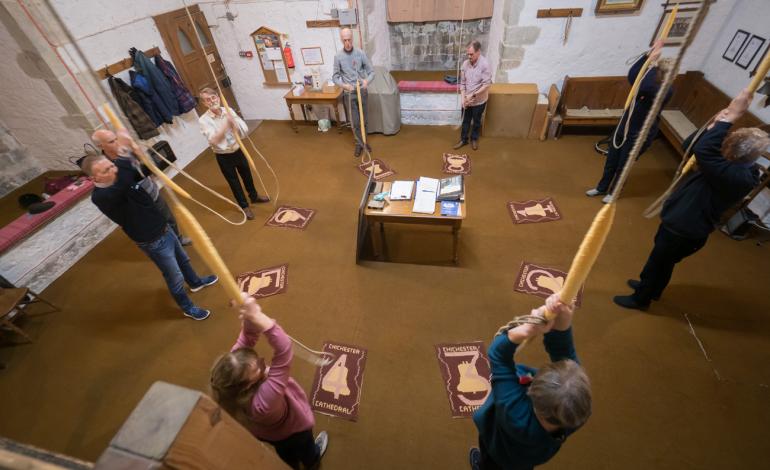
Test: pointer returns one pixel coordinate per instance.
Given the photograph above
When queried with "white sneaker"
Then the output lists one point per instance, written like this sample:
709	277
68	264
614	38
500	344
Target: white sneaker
607	199
322	442
594	192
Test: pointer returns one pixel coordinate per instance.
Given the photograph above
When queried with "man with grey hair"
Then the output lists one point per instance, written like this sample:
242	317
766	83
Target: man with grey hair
118	195
475	80
726	173
350	66
118	148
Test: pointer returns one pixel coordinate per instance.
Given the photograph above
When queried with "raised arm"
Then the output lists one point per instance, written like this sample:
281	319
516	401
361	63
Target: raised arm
273	386
558	342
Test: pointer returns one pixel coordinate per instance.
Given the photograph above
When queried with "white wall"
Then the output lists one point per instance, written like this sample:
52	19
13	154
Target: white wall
287	17
752	16
105	31
31	110
596	45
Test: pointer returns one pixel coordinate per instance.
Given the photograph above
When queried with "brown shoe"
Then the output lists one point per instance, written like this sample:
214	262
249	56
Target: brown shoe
249	214
475	144
459	144
260	199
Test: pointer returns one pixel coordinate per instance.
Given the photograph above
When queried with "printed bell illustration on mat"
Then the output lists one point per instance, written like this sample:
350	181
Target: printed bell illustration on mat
377	169
336	380
537	210
456	162
288	215
253	284
544	280
470	380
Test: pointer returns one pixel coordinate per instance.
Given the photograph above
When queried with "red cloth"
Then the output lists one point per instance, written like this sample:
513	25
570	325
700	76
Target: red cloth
27	223
436	86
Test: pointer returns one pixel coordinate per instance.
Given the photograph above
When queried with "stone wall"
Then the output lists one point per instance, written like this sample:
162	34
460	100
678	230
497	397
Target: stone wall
434	46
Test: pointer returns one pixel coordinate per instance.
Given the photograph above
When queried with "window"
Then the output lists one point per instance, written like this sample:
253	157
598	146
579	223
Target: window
184	42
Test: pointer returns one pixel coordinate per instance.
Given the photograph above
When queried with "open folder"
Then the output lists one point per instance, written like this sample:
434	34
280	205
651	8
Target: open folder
425	195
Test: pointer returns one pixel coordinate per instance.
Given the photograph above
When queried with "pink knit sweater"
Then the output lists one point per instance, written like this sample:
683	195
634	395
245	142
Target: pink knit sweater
280	407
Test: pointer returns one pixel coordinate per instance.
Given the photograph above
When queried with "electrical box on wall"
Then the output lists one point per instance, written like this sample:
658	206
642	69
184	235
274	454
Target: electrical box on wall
348	16
248	54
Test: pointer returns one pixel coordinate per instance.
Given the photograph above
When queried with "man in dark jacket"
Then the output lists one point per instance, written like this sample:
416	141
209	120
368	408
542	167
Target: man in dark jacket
631	123
726	174
119	196
122	156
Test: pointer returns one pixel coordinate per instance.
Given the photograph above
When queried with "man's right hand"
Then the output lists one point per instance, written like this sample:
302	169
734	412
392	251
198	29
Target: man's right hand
348	87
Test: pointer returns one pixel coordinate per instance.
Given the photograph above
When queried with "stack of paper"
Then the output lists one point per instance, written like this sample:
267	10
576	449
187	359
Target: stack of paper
401	190
425	195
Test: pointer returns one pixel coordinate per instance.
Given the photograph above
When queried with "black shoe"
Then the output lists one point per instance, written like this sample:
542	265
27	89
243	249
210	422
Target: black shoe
474	458
628	301
368	148
475	144
634	284
259	199
357	151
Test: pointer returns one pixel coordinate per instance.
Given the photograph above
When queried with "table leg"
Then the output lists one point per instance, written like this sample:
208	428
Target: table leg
384	243
304	114
337	116
375	242
455	240
293	122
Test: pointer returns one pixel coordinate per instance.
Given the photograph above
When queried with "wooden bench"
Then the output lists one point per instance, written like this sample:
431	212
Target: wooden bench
694	102
592	101
595	101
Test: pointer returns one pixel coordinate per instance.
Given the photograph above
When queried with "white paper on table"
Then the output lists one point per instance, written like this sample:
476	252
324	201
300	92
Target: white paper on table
274	53
425	195
401	190
280	74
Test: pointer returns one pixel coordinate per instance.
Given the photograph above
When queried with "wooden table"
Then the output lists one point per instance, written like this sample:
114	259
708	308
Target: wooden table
400	212
314	97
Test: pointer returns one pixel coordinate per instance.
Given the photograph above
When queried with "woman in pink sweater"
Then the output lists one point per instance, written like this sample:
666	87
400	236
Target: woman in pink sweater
266	400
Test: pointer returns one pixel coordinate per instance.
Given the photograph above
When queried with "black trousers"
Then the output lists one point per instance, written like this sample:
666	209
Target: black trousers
616	160
299	447
486	461
669	249
233	165
472	122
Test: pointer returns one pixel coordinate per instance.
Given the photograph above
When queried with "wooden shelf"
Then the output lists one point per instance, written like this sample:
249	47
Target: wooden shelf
124	64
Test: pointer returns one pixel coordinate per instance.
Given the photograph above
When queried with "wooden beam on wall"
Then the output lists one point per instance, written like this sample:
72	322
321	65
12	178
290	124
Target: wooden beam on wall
124	64
559	12
323	23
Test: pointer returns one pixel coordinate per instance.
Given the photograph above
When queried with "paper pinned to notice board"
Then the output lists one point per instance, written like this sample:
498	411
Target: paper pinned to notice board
280	72
274	53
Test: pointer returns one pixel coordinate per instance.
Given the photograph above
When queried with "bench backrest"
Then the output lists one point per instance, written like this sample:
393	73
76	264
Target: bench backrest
594	92
699	100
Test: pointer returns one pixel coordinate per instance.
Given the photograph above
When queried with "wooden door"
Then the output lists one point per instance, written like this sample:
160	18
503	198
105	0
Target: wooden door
179	37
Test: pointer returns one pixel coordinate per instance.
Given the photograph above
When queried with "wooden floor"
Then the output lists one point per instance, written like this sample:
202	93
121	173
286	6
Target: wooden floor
664	398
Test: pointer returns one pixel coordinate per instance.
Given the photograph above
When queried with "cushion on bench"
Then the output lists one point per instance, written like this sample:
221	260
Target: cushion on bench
678	122
436	86
584	112
27	223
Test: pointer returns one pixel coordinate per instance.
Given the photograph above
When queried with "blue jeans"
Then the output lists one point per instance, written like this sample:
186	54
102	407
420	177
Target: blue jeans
167	253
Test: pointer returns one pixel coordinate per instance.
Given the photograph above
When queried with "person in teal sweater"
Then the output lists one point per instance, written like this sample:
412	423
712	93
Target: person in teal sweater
529	413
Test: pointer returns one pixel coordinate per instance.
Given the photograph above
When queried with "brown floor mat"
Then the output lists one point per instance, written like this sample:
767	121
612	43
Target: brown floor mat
466	373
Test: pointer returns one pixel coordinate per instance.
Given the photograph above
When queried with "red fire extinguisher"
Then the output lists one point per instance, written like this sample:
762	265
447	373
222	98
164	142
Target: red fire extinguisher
288	57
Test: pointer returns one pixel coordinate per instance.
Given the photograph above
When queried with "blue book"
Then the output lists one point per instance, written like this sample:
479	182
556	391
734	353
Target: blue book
450	208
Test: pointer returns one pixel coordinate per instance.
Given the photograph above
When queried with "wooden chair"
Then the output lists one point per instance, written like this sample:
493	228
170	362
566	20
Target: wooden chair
13	304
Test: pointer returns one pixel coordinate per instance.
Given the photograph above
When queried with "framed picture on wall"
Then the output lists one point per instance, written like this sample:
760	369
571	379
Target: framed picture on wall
750	52
609	7
756	66
682	24
736	44
312	56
